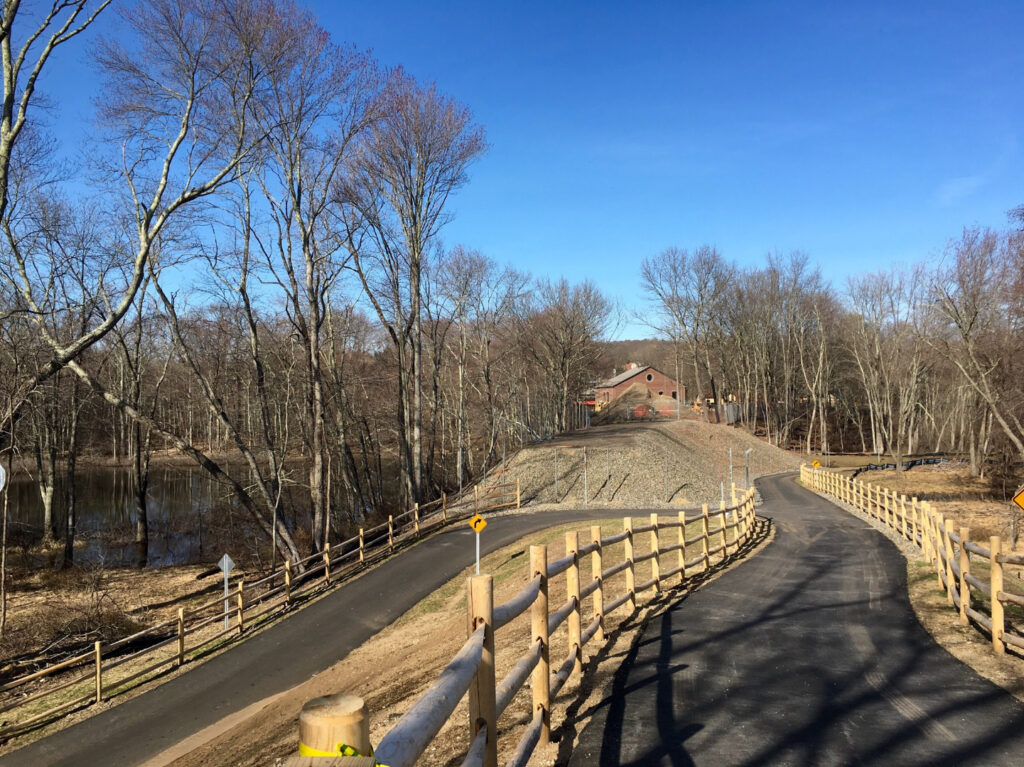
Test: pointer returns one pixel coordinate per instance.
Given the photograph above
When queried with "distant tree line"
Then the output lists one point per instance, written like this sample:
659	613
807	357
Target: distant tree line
924	358
255	278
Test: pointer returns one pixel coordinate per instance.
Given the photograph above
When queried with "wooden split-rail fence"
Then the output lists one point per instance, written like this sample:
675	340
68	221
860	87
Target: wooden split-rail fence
947	549
723	534
111	668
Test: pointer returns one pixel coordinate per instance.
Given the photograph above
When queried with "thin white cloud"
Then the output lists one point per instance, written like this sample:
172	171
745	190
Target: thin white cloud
953	190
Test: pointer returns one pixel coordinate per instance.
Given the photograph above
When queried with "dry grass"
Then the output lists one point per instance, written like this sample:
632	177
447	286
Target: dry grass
955	494
52	613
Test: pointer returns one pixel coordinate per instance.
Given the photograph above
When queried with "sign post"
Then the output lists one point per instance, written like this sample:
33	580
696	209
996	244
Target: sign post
477	523
1018	498
3	478
226	565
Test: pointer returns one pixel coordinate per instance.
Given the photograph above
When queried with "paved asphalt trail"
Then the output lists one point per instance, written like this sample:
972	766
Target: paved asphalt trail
311	640
808	654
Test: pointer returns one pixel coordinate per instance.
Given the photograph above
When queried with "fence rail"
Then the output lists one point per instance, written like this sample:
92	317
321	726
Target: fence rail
946	549
489	698
175	642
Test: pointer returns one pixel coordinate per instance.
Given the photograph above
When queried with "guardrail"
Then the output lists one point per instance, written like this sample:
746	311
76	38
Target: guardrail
111	668
472	669
947	550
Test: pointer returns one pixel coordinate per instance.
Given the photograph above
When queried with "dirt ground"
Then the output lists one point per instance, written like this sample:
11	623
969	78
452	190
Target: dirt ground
394	668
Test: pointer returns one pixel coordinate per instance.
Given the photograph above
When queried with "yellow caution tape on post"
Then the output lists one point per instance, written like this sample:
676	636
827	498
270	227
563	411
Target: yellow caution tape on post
342	749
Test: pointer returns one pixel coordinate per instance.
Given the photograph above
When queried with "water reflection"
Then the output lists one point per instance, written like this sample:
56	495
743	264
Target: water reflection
192	518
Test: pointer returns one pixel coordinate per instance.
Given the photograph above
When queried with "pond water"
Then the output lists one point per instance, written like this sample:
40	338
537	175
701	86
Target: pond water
192	518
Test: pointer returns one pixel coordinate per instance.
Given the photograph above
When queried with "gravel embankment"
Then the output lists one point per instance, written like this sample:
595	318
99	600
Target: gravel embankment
640	465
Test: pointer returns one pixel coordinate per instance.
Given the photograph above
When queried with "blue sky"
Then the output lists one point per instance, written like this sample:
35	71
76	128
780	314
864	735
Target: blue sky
865	134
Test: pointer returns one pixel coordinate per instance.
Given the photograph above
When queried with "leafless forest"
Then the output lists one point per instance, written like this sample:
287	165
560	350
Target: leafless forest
249	273
923	358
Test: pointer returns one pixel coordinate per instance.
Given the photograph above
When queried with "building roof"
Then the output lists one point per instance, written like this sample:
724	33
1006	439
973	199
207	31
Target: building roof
623	376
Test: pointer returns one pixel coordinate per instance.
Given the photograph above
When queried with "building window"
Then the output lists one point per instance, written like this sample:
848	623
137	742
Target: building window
674	396
661	394
650	377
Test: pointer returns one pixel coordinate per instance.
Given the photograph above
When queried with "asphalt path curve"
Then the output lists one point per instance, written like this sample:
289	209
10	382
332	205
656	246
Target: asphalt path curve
807	654
276	659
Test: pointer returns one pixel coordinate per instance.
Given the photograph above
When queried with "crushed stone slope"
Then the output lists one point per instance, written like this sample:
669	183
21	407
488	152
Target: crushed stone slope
669	463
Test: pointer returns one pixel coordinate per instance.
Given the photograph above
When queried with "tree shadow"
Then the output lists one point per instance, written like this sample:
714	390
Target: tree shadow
619	486
809	654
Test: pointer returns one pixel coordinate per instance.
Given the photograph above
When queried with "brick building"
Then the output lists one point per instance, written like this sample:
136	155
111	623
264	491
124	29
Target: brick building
659	384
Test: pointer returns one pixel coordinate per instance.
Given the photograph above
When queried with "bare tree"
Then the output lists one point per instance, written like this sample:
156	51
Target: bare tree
690	291
980	325
394	203
561	325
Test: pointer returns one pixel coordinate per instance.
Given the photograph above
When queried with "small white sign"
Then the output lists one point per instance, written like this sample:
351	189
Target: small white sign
3	478
226	565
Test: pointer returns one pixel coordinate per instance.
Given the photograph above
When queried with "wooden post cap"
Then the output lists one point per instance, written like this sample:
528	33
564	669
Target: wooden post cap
327	724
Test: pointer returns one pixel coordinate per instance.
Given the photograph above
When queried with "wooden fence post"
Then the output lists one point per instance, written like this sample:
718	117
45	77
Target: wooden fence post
327	563
965	569
572	588
482	705
596	568
926	541
947	526
362	547
914	509
181	636
541	679
996	585
631	570
682	546
325	722
704	535
416	519
721	526
937	543
241	608
518	498
98	656
444	509
656	559
288	578
391	531
903	514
